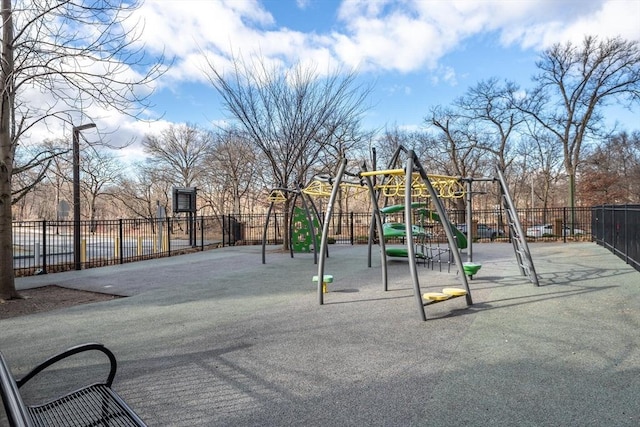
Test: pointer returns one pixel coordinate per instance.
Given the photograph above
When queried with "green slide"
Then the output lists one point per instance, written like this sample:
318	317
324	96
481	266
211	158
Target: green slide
460	237
402	252
398	229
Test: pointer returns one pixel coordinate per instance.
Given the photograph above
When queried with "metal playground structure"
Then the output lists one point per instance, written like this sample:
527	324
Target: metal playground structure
422	194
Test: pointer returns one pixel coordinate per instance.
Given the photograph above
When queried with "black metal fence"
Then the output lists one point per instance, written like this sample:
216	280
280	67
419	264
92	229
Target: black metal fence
617	228
48	246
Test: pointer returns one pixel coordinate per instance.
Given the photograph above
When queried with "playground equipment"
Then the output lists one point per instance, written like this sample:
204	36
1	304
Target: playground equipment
516	231
410	182
306	222
305	235
304	226
426	250
328	278
397	230
520	245
416	182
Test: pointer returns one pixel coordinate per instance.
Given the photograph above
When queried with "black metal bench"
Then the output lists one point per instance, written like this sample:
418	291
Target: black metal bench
94	405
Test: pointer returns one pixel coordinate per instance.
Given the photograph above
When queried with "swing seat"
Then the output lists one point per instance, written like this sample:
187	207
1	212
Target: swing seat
454	292
436	296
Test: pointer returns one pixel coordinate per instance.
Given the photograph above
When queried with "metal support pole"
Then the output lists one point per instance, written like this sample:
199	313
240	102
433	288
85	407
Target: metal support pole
325	227
469	221
76	192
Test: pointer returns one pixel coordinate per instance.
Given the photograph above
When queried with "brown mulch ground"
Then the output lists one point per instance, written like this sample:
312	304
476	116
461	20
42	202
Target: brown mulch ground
48	298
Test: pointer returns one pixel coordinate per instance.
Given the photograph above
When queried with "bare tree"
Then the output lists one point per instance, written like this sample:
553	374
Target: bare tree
457	143
544	158
611	172
31	171
488	109
233	168
575	83
289	115
181	152
80	54
101	171
35	186
388	142
346	140
142	193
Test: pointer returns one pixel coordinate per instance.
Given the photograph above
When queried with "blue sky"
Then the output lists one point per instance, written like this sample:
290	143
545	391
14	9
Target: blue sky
417	53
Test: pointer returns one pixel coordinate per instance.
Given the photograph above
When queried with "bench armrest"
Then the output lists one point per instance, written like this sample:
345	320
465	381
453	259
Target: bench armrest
70	352
15	409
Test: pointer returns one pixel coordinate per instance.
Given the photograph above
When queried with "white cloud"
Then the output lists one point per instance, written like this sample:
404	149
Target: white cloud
615	18
192	30
398	89
558	22
413	34
380	36
184	28
302	4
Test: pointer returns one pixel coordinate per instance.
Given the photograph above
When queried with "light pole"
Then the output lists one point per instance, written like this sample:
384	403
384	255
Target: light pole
76	192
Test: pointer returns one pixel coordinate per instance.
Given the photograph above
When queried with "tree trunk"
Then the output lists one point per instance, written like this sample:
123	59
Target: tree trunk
7	283
285	223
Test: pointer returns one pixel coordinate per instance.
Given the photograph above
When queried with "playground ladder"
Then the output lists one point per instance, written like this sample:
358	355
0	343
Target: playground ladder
518	238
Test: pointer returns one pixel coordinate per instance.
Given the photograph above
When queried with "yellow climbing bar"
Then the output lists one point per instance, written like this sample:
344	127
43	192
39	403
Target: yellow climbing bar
318	189
277	196
383	172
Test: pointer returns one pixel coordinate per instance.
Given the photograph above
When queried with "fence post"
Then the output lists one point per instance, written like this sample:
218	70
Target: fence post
202	233
351	237
275	228
602	225
169	225
121	241
626	234
615	227
44	247
224	228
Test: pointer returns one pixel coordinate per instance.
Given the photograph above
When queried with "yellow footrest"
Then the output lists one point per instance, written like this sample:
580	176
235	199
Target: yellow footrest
327	278
454	292
436	296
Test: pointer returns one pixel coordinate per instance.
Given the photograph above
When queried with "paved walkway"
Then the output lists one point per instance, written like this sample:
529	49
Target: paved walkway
217	338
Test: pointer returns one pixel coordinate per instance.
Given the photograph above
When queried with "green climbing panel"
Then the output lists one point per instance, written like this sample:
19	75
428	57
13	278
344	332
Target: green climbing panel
301	238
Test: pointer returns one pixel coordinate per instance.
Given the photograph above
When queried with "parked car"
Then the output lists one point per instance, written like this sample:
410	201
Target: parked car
483	232
547	230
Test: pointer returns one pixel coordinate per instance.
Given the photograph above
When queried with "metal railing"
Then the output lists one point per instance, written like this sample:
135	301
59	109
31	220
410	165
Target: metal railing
48	246
617	228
